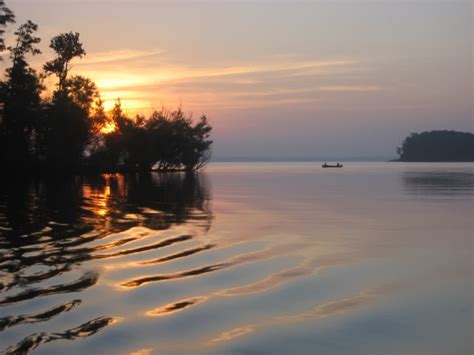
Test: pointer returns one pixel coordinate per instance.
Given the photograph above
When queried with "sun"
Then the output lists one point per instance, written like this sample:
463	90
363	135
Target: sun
108	128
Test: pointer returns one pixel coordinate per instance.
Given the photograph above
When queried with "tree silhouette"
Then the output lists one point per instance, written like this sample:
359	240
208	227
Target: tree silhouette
67	129
70	131
166	141
6	17
83	92
25	42
67	132
438	146
67	47
21	102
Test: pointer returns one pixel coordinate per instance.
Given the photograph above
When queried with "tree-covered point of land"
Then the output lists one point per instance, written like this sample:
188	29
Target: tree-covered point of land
69	129
438	146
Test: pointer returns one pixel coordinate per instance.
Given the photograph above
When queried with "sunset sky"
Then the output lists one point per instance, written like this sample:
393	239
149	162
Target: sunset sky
278	80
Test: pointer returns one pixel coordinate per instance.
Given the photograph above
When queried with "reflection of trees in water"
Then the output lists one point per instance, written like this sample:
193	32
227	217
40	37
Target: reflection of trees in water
439	183
48	225
156	201
27	207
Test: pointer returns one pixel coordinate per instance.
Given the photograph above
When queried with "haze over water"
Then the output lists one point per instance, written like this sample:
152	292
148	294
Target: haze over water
278	258
291	80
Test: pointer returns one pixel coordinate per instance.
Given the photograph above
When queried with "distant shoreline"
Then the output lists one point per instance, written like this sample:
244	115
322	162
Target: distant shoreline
437	146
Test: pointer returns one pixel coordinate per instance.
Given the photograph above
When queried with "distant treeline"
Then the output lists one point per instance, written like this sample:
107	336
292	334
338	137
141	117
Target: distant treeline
442	146
69	129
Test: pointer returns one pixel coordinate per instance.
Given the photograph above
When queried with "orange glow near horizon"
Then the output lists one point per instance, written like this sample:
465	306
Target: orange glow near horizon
272	86
142	87
108	128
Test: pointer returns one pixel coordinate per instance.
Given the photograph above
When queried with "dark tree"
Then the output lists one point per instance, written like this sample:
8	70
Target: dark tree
6	17
115	142
438	146
197	149
70	131
129	145
21	102
166	141
66	134
83	92
175	144
25	42
67	127
100	122
67	47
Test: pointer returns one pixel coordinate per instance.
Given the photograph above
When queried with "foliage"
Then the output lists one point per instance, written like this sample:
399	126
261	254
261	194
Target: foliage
20	101
66	133
70	131
25	42
83	92
6	17
165	141
438	146
67	46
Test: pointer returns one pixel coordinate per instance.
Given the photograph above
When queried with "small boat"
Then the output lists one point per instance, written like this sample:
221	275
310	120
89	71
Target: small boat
326	165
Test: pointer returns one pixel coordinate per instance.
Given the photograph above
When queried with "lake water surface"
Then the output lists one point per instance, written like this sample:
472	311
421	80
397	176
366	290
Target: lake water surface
244	258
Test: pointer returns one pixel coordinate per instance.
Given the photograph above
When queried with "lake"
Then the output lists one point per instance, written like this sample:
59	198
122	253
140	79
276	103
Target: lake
242	258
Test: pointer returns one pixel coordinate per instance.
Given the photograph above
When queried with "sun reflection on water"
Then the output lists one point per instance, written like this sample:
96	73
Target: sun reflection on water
147	249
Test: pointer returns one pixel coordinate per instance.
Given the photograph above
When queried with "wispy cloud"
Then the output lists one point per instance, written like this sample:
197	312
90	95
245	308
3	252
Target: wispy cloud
148	79
350	88
117	56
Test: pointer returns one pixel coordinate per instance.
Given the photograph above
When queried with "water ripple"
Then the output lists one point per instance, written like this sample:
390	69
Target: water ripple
87	280
10	321
50	230
84	330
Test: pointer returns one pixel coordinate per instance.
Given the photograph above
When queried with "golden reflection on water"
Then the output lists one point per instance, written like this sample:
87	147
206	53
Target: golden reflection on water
175	307
88	220
319	312
98	237
99	196
234	333
306	268
246	258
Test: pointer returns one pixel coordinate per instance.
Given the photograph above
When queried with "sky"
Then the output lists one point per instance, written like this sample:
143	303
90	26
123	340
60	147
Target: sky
279	80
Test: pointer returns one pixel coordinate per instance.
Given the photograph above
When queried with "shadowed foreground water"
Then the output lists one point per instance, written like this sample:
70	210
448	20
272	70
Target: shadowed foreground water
246	258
